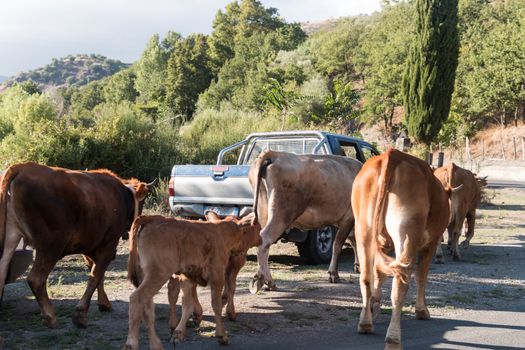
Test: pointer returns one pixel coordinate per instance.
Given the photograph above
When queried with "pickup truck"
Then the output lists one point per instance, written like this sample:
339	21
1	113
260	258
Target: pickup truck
224	187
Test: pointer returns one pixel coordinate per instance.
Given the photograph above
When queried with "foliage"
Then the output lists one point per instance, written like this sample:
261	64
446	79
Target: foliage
428	81
188	75
71	70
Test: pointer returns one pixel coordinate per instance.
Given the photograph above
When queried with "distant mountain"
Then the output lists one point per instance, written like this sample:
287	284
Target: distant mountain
3	78
71	70
312	27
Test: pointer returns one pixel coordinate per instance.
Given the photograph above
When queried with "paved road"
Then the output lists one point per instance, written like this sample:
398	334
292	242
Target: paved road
468	330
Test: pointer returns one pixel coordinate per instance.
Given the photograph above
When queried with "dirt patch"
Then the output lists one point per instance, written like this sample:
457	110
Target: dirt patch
489	278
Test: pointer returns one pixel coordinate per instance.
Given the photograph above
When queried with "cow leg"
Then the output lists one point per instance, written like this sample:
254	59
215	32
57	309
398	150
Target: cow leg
271	232
140	302
197	307
234	266
96	277
104	305
393	334
455	243
173	296
425	258
37	279
379	279
10	244
216	304
342	234
149	317
439	253
366	252
187	308
471	222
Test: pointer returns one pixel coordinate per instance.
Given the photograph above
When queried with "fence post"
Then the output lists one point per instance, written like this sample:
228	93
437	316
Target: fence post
441	156
467	148
523	147
514	144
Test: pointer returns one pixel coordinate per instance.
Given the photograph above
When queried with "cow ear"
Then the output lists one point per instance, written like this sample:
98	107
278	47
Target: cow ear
141	191
212	216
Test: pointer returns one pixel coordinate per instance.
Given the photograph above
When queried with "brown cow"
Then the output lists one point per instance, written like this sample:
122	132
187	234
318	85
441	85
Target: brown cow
61	212
235	263
302	191
398	205
463	206
161	247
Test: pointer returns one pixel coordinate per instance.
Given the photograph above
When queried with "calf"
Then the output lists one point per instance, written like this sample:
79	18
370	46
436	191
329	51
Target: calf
200	251
235	263
463	206
398	205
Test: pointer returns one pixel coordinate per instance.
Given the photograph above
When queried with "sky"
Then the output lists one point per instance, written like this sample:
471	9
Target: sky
32	32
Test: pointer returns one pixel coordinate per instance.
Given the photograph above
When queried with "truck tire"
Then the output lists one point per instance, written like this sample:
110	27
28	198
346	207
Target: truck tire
317	249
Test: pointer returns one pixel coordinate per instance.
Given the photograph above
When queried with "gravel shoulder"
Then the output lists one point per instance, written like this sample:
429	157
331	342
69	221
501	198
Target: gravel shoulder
476	303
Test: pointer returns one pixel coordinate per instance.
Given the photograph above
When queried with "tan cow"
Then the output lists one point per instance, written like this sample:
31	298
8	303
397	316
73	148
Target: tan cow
463	206
398	205
161	247
235	263
302	191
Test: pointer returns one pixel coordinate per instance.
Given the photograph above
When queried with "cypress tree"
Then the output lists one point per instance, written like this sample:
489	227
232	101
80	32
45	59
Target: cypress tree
428	81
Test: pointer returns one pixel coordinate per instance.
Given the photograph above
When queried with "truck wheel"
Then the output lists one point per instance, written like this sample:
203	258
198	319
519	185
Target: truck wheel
317	249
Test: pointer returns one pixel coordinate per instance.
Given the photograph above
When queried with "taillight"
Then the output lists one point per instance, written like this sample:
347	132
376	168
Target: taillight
170	187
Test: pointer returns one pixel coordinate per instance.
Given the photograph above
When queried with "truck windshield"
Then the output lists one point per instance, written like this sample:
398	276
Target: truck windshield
291	145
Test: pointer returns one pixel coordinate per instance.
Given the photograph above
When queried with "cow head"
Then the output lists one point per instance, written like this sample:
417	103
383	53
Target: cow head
139	190
251	231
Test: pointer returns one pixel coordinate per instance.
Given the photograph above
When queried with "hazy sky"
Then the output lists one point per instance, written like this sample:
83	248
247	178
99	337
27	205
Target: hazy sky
34	31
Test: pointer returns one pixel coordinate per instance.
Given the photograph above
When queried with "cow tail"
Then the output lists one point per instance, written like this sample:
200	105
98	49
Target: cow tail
262	164
8	176
384	262
134	269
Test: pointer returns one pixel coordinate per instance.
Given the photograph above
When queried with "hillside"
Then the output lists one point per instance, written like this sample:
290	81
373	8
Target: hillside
71	70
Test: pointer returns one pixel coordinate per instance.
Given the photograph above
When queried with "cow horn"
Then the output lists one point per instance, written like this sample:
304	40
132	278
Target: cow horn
483	177
153	183
455	189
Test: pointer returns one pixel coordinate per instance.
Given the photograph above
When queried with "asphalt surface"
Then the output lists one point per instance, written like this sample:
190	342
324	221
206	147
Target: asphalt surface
468	330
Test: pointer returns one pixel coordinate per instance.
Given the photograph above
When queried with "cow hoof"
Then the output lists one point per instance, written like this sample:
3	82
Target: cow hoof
223	340
197	319
79	320
357	268
177	337
232	315
333	277
271	285
365	328
464	245
439	260
456	257
126	347
392	344
49	322
422	315
105	308
256	284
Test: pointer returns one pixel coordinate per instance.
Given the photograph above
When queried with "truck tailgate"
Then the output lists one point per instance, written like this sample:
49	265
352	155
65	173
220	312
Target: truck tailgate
212	184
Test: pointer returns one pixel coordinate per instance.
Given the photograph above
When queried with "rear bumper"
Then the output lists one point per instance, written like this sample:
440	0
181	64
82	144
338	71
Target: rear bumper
19	264
195	210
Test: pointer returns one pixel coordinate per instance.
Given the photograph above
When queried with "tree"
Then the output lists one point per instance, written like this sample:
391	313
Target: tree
189	74
429	77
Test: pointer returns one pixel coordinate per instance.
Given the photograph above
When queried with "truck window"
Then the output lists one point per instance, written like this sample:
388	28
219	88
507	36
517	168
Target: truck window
349	149
291	145
368	152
